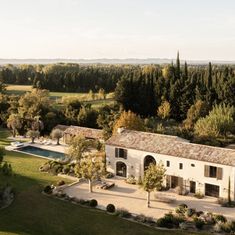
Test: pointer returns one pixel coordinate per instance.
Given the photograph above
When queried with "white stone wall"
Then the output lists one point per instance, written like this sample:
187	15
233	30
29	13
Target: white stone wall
135	166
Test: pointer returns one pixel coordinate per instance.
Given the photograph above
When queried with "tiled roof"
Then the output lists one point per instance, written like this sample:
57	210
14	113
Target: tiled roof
61	127
173	146
86	132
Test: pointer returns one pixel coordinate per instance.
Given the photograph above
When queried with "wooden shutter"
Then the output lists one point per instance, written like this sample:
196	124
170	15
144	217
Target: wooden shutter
219	173
207	171
125	154
180	181
116	152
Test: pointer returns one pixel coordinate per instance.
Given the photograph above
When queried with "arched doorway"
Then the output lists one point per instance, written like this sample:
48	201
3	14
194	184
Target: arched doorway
121	169
148	160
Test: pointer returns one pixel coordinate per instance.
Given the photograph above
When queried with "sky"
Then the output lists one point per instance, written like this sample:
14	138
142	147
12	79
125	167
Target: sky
92	29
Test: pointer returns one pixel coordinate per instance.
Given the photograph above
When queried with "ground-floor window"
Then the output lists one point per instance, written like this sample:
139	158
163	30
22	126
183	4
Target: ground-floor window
212	190
174	181
192	187
121	169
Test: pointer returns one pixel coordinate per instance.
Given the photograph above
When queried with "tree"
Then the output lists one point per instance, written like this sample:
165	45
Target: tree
153	179
178	73
130	121
90	168
87	117
164	110
33	103
79	147
219	121
198	110
33	135
57	134
14	122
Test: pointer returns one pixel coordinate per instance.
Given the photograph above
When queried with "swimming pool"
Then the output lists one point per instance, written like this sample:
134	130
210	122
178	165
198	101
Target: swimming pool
42	152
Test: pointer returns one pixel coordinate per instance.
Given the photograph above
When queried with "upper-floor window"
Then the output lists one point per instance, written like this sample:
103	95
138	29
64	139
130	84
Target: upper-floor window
121	153
168	163
213	172
181	166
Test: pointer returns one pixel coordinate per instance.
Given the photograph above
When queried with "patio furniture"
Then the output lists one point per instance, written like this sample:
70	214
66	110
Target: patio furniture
108	186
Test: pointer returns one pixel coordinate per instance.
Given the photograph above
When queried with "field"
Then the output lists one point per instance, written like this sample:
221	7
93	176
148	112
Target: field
57	96
35	214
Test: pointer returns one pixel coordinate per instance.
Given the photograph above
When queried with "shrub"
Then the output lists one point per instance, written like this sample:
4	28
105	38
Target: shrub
109	175
199	223
93	203
190	212
48	189
60	183
164	223
123	213
226	227
220	218
131	180
181	209
170	221
183	205
199	195
199	213
66	169
110	208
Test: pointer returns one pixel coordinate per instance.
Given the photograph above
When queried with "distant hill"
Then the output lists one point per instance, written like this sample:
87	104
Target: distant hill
108	61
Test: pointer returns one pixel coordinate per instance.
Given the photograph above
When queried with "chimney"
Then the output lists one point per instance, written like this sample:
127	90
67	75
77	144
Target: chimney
120	130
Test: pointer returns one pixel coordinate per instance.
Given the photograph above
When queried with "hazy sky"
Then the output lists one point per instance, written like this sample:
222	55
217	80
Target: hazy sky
199	29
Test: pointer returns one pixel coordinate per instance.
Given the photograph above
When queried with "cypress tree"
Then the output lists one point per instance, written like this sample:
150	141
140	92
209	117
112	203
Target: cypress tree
178	66
186	70
209	78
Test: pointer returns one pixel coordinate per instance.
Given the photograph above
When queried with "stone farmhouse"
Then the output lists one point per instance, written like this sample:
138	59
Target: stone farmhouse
195	167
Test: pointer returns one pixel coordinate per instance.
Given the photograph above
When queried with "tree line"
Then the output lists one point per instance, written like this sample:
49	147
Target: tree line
143	89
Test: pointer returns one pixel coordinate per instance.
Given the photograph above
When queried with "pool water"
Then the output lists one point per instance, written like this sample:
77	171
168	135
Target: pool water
42	152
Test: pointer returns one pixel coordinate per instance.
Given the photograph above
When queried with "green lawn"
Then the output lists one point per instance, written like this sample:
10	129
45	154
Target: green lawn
57	96
35	214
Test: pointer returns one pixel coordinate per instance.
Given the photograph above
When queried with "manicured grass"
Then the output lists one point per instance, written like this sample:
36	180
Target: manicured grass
35	214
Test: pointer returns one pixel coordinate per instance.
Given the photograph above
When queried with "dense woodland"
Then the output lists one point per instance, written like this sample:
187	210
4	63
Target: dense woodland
171	99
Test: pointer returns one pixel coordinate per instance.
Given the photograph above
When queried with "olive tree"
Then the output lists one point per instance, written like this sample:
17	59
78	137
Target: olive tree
90	168
57	134
33	135
153	179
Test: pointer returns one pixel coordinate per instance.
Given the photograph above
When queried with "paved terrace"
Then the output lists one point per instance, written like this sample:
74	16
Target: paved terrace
132	198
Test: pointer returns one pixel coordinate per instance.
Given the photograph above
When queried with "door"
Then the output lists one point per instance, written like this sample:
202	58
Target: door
121	169
211	190
192	187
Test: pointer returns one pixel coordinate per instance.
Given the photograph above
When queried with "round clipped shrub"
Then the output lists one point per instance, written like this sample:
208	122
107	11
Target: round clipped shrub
47	189
110	208
199	223
93	203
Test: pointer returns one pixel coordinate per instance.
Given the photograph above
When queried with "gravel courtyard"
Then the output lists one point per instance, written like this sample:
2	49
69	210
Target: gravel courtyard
133	198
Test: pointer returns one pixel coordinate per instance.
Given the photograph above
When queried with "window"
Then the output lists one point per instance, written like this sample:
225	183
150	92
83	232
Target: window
213	172
168	163
192	165
121	153
181	166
